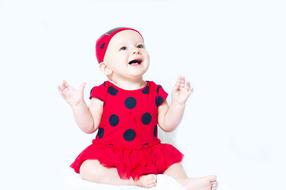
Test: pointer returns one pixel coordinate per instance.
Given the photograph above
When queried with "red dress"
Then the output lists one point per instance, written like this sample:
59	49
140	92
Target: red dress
127	134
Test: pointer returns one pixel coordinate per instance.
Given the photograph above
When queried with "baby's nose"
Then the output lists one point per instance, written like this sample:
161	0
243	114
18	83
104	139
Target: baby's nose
135	51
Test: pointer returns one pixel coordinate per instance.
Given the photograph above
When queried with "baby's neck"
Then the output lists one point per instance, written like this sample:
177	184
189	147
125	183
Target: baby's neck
129	85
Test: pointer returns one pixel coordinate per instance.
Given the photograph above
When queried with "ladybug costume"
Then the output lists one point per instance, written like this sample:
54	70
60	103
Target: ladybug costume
127	134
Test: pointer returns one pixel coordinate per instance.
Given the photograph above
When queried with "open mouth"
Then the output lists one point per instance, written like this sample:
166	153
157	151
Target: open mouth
135	62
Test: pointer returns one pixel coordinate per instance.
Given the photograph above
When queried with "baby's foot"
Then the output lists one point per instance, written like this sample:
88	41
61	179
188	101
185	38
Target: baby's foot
148	181
200	183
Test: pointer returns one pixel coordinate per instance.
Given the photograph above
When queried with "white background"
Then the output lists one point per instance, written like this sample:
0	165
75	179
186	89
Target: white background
233	52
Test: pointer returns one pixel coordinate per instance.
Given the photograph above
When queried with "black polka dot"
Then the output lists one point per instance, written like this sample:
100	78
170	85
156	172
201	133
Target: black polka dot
100	132
112	91
158	88
113	30
145	90
102	45
155	132
159	100
129	135
130	102
113	120
146	118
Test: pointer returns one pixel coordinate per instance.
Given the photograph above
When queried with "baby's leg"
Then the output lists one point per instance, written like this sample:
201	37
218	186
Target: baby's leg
202	183
92	170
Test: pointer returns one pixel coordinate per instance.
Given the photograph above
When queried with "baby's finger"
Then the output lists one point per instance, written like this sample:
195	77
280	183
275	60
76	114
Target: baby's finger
182	79
188	85
61	93
177	85
182	82
214	185
63	85
66	84
60	89
82	86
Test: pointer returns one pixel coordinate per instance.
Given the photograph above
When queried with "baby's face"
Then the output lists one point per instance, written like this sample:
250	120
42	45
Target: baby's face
126	55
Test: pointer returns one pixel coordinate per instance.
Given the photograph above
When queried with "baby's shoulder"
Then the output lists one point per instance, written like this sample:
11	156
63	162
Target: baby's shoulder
101	85
98	91
154	85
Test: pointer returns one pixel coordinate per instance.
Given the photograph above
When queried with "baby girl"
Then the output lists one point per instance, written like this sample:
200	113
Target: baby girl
125	111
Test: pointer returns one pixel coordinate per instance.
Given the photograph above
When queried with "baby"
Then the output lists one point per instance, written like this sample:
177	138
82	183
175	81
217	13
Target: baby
126	110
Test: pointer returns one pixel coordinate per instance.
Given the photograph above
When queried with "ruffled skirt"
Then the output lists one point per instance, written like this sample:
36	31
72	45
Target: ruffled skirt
150	159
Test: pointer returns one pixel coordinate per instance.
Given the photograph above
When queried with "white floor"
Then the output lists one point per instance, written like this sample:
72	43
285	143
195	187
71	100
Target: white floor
72	181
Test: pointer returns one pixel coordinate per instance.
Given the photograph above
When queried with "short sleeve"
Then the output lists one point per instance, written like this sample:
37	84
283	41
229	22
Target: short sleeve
98	92
161	95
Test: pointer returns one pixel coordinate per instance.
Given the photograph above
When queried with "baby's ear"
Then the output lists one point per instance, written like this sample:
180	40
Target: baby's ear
105	68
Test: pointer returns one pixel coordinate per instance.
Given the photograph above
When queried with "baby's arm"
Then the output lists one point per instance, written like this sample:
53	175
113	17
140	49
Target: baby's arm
169	116
86	117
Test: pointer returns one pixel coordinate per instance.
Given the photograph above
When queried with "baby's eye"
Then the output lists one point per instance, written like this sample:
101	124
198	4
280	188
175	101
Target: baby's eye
123	48
140	46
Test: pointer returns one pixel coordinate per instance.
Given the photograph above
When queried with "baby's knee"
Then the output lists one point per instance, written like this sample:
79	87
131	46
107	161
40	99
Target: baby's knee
91	170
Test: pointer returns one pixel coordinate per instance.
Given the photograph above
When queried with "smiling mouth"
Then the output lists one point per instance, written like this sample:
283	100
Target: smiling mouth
135	62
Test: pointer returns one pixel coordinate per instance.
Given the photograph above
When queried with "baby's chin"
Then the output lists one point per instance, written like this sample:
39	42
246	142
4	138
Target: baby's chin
138	72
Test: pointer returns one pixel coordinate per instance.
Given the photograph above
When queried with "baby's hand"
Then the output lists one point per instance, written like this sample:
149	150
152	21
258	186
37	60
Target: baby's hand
181	91
71	95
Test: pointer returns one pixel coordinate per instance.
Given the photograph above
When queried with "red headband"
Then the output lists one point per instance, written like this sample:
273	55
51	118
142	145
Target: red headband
103	41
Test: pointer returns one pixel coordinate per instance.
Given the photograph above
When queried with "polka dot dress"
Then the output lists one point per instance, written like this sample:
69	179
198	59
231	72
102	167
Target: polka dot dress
127	134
